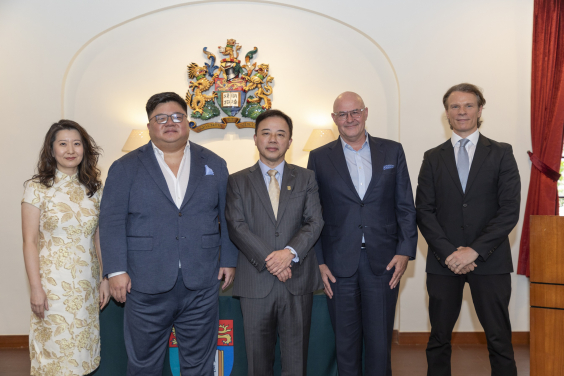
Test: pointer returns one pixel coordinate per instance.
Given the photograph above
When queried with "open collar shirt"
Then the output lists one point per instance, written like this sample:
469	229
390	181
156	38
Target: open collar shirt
359	163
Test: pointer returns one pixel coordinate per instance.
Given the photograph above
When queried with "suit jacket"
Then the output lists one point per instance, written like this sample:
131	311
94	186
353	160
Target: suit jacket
256	232
481	218
386	215
143	232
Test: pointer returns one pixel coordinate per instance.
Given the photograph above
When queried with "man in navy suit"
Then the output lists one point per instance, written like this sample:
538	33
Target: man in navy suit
161	241
369	235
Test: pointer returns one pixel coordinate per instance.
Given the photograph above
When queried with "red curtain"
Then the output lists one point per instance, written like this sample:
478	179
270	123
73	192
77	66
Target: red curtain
547	117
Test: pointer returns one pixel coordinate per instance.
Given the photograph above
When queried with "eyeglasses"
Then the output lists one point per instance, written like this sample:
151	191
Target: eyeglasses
177	117
354	113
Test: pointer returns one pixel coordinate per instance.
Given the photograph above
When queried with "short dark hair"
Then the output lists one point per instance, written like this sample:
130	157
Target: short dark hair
157	99
466	88
273	113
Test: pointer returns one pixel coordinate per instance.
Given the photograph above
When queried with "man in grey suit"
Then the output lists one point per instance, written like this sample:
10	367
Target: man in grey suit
274	218
161	241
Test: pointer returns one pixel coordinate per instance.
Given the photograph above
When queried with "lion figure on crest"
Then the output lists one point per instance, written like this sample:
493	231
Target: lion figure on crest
197	100
261	81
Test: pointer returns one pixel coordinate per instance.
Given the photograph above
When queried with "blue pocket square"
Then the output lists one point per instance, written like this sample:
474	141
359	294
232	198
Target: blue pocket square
388	167
209	171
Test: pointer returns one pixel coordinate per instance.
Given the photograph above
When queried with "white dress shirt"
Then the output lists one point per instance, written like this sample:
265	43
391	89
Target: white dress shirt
279	172
359	164
470	146
177	184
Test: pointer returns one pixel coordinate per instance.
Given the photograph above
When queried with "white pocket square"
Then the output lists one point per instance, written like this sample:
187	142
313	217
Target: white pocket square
209	171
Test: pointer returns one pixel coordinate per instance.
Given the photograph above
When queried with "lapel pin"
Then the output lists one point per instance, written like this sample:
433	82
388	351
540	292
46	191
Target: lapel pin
289	188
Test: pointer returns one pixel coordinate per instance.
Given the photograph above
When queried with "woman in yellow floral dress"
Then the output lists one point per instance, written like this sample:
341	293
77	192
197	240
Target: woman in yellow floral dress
62	254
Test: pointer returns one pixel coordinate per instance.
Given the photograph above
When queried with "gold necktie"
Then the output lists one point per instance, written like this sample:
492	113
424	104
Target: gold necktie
274	191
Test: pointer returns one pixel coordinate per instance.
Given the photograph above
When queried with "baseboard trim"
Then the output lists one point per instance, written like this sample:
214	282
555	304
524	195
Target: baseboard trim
14	342
458	338
401	338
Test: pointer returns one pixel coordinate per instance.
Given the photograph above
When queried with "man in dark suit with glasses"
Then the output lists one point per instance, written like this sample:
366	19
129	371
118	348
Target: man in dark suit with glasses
161	242
368	238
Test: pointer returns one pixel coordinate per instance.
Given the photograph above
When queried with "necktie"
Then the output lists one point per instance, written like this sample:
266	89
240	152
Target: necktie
463	164
273	191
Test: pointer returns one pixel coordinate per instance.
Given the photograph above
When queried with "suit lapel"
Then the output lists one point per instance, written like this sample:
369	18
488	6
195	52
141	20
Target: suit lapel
482	151
337	157
378	157
197	171
447	155
257	180
288	182
147	157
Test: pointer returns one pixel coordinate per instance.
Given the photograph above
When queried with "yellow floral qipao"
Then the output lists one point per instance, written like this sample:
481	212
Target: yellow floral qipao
67	341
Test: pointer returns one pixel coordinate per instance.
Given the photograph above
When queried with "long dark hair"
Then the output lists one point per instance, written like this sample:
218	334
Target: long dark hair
88	172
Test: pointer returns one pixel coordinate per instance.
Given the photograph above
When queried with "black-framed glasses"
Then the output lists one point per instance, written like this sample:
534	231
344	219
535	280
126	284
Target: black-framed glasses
354	113
177	117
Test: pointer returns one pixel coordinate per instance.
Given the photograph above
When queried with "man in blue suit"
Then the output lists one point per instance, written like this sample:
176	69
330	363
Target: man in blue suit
370	234
161	239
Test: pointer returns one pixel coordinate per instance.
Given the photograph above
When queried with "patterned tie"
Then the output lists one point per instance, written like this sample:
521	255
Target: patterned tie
463	164
274	191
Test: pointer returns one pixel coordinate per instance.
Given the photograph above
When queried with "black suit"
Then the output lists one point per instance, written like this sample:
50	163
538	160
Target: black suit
480	218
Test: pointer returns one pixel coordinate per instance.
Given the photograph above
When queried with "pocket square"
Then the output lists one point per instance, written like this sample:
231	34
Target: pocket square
388	166
209	171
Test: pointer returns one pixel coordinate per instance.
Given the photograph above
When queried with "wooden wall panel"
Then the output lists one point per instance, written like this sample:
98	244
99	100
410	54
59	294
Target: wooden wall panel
547	342
550	296
547	249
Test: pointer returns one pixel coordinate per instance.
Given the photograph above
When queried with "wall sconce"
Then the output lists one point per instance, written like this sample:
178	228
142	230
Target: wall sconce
136	139
319	137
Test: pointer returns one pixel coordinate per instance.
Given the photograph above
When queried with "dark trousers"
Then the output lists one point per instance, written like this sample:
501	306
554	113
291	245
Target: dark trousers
490	294
278	314
148	322
363	308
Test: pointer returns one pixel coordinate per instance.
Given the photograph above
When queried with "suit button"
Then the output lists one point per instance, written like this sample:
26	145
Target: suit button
180	214
177	238
462	227
360	227
464	205
276	234
361	205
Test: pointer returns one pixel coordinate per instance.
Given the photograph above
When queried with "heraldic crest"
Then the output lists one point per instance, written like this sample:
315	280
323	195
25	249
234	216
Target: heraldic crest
231	85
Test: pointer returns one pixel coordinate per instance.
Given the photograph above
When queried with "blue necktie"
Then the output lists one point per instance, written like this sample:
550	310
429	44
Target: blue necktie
463	163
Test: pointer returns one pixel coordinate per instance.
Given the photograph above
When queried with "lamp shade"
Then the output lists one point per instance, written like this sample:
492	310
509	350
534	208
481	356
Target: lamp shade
137	138
319	137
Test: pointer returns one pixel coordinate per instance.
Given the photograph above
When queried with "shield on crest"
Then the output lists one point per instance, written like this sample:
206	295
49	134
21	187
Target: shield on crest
173	353
224	355
231	95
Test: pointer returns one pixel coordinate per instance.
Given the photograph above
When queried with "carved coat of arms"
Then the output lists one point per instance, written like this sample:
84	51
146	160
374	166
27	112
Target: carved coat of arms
228	89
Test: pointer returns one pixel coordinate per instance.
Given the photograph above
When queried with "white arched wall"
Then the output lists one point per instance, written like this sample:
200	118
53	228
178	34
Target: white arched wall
312	59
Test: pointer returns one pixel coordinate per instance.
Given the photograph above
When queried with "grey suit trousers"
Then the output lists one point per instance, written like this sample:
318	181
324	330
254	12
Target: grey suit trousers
278	314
